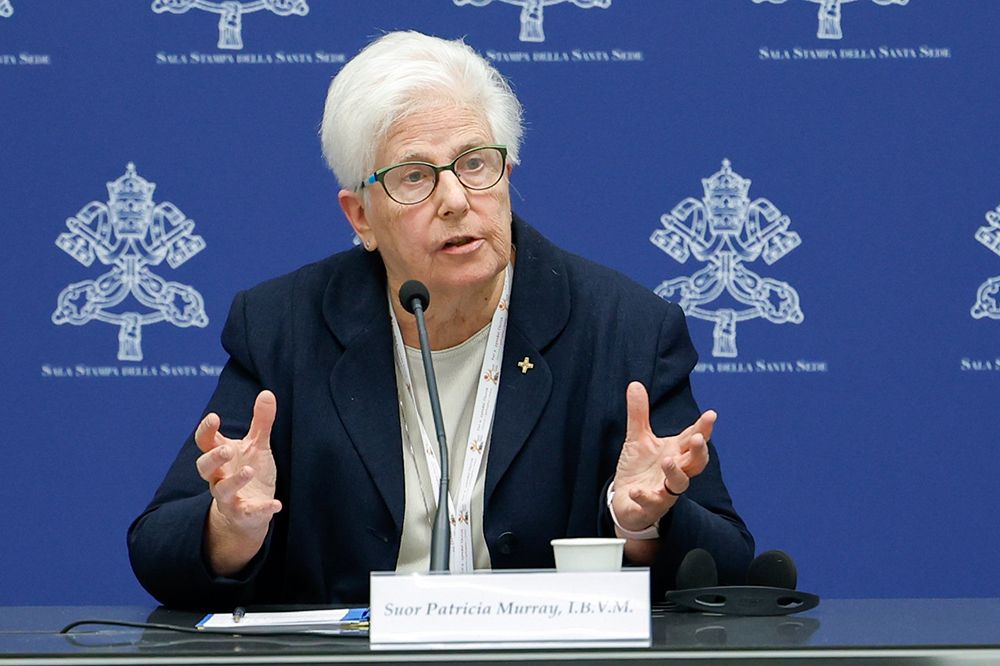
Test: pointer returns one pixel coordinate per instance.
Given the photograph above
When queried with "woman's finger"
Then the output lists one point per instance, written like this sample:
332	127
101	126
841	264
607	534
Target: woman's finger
675	480
694	460
637	402
205	435
645	508
248	512
265	408
260	511
226	489
645	498
705	423
702	426
209	464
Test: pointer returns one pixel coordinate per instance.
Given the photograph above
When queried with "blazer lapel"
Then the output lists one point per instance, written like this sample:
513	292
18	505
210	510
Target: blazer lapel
539	311
363	381
520	402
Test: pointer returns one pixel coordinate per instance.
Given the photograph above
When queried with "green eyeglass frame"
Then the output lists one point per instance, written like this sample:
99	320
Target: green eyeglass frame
379	176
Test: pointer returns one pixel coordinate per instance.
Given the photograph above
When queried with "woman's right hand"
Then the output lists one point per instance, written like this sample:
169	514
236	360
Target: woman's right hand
241	475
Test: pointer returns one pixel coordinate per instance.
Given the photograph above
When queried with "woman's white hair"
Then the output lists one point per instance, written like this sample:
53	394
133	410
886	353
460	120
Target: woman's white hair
402	73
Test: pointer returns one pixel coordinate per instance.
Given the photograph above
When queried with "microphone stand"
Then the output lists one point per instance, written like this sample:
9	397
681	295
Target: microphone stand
441	530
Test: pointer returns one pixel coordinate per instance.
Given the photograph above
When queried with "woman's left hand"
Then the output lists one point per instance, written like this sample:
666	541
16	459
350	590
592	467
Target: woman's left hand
649	465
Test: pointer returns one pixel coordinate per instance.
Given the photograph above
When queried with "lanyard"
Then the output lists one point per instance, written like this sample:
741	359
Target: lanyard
461	559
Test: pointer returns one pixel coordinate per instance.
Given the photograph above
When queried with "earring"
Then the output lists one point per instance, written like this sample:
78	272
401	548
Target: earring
368	245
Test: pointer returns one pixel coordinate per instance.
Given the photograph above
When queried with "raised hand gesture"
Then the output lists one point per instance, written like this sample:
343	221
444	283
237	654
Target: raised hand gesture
241	475
654	471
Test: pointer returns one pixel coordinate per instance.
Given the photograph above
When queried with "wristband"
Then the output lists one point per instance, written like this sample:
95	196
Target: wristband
651	532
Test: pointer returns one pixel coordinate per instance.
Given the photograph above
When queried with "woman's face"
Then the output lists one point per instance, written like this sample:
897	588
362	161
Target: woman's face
457	239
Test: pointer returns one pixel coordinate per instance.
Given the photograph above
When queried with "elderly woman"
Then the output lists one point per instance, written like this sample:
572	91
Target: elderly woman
564	385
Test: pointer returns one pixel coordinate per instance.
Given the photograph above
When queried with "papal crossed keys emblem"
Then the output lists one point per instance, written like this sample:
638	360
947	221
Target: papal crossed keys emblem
830	14
231	14
726	230
988	296
532	13
130	234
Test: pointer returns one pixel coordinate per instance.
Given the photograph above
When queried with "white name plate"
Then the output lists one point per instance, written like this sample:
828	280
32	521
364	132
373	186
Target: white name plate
510	609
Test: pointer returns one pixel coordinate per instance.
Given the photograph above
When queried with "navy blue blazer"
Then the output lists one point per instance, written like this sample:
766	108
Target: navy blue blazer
320	339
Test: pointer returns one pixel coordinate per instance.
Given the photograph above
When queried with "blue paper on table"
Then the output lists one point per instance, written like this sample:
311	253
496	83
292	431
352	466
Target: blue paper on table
332	621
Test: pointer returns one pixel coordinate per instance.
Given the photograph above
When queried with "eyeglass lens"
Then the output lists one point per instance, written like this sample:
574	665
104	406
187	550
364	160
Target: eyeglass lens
477	170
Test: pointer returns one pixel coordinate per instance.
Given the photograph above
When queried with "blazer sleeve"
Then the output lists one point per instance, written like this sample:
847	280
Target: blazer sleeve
704	516
165	542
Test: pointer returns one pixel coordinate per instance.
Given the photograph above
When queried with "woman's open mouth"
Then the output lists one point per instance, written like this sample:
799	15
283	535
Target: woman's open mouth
462	244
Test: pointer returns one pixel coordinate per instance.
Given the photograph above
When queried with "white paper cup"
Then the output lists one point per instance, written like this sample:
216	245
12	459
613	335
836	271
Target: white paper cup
588	554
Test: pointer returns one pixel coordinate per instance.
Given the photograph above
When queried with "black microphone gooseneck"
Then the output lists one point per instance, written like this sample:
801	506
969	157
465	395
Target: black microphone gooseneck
414	297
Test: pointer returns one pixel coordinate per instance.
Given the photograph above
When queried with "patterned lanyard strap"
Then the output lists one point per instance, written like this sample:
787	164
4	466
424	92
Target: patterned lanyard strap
482	424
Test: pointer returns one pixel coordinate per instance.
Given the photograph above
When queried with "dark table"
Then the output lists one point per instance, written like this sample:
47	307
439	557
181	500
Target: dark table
841	631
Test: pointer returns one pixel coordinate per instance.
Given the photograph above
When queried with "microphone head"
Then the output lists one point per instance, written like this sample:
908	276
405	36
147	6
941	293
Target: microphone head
414	289
774	568
697	569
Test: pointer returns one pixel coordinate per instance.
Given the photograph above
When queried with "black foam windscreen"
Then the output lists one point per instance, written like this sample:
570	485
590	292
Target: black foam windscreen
697	569
774	568
412	289
770	588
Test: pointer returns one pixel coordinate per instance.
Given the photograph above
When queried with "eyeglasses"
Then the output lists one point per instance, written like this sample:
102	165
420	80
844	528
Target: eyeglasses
412	182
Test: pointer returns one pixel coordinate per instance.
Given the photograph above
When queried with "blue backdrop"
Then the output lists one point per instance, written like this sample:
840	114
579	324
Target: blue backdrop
826	174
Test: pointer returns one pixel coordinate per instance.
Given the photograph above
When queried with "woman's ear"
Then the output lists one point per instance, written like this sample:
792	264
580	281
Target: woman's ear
353	205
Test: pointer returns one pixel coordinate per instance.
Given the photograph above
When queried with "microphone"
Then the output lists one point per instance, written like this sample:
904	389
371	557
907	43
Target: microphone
770	588
697	569
774	568
412	295
415	299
